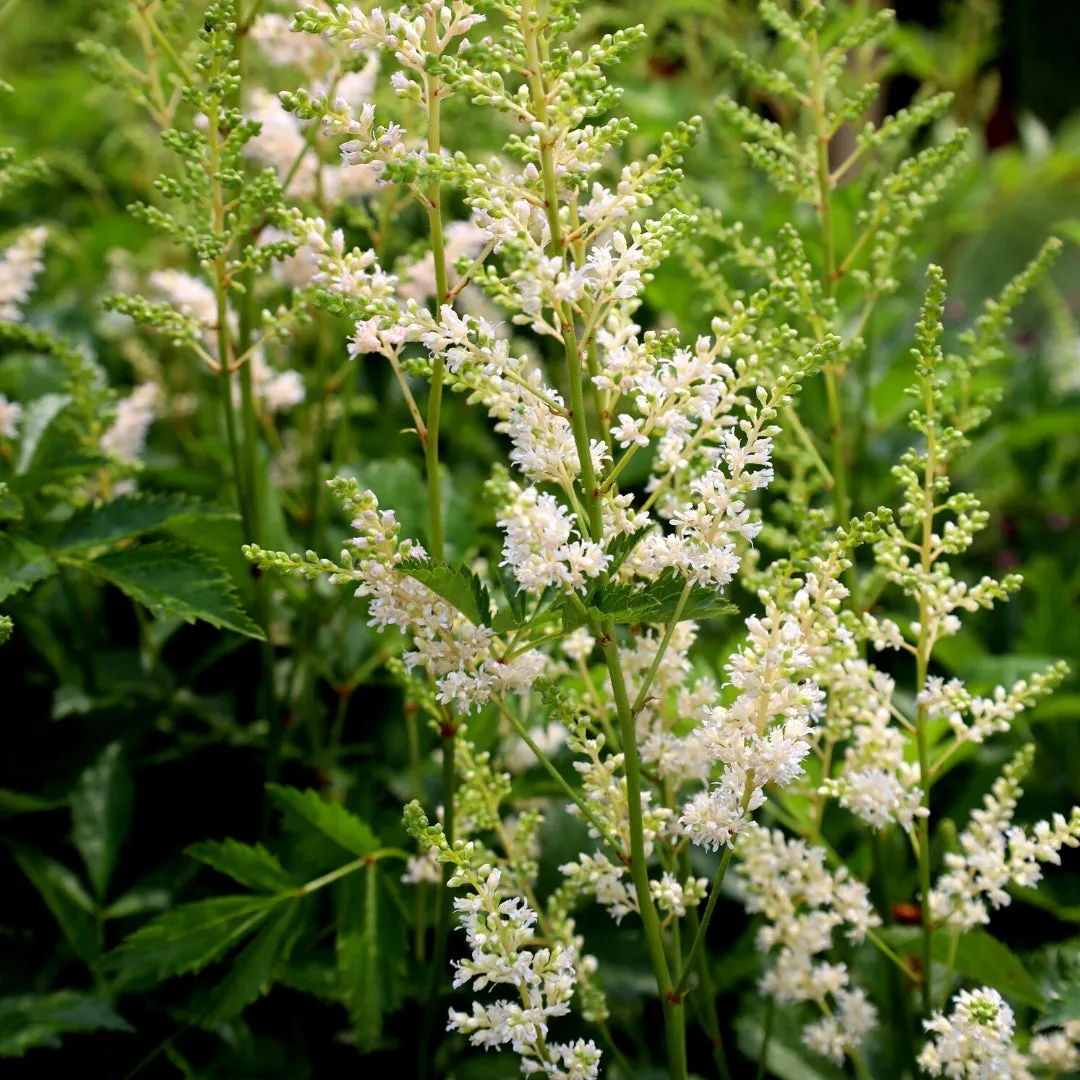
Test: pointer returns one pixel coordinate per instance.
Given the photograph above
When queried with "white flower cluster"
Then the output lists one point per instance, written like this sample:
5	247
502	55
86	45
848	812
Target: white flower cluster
20	265
276	391
499	931
994	853
466	661
125	438
787	882
763	736
10	415
974	1042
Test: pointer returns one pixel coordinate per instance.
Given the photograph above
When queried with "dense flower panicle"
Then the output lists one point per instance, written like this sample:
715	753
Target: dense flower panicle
1058	1051
499	931
994	853
20	265
974	1042
802	902
763	736
125	438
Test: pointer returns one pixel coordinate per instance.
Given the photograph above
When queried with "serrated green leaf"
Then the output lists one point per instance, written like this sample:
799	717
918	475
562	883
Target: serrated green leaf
22	565
252	972
619	549
513	595
66	898
654	602
171	579
253	866
37	416
101	807
1062	1008
363	957
330	819
313	976
31	1020
128	516
188	938
460	588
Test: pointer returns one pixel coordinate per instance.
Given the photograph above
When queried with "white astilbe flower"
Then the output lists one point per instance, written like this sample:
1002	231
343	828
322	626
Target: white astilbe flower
423	868
520	756
542	547
499	931
1057	1051
673	897
125	438
10	415
763	736
838	1035
803	902
994	853
875	782
974	719
278	391
20	265
461	658
974	1042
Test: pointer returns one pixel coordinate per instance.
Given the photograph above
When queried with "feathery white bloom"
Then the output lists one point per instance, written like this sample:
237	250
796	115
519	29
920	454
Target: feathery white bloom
20	265
10	415
763	736
974	1042
126	437
499	932
803	902
541	546
994	853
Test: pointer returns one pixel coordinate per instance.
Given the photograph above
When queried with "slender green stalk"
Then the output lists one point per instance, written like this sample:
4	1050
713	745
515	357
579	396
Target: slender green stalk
566	789
922	664
433	206
828	246
674	1015
705	998
766	1038
703	927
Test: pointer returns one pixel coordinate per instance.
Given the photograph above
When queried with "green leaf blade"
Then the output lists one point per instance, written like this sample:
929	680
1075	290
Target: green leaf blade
101	811
130	516
171	579
250	865
188	938
65	897
332	820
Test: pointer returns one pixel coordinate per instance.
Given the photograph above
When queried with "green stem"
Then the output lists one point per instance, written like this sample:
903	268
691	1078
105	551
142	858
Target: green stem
674	1017
560	781
703	926
828	246
433	206
676	618
922	663
766	1037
